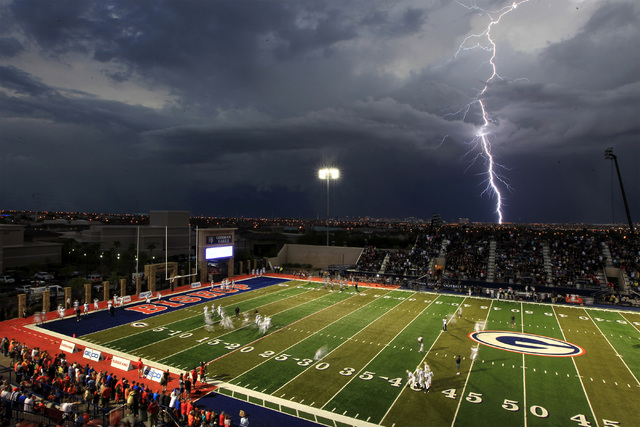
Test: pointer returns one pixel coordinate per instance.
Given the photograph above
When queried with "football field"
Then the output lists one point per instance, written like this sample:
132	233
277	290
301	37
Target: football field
341	357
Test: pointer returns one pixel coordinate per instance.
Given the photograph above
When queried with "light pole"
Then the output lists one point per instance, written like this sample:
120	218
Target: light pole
608	155
328	174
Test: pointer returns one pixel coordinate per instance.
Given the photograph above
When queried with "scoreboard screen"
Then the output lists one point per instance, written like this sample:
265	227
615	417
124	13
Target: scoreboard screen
218	252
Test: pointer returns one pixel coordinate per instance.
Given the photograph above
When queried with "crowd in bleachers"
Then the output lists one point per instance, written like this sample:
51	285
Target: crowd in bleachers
625	254
565	258
519	258
417	261
467	256
575	259
371	259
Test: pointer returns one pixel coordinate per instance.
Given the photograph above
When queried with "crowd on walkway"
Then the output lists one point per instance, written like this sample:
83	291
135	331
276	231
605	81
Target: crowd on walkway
85	395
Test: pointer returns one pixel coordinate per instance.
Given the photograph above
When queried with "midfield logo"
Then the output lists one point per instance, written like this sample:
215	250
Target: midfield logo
519	342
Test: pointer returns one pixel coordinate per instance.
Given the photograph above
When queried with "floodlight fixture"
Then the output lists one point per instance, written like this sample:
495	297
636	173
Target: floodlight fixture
328	174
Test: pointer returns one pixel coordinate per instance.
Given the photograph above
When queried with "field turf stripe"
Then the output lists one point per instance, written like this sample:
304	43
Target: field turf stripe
241	337
271	346
273	374
388	330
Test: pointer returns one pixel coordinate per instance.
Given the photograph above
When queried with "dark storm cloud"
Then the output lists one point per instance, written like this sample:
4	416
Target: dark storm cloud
380	22
66	106
224	107
9	47
21	82
606	41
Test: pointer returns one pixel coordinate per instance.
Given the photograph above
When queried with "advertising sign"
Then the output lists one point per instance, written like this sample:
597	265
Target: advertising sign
219	239
92	354
68	347
121	363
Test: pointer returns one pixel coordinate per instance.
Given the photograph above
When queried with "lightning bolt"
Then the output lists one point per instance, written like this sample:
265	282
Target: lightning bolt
484	41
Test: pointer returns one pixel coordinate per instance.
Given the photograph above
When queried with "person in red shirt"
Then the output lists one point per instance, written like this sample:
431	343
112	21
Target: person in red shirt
194	375
152	410
106	396
203	372
183	410
119	391
140	366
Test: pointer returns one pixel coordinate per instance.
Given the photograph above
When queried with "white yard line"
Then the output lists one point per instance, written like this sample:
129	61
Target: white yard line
614	349
630	322
232	331
577	370
466	381
421	362
524	367
341	344
355	375
288	326
199	313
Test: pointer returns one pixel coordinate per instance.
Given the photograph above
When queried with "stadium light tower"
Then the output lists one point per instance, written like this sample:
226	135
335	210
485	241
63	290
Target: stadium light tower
328	174
608	155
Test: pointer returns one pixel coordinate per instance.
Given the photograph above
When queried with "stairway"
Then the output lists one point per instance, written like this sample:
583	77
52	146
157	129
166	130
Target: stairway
547	262
491	266
383	266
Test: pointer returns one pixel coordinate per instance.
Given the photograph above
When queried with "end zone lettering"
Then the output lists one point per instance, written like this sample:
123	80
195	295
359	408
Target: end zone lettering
147	308
180	300
206	294
185	299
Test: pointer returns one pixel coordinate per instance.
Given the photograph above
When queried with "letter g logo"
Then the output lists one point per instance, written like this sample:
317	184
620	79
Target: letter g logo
519	342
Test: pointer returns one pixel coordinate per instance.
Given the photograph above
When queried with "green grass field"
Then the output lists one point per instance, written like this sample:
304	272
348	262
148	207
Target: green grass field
369	341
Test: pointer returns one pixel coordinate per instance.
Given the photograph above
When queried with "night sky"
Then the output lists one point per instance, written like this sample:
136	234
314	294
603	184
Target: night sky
229	108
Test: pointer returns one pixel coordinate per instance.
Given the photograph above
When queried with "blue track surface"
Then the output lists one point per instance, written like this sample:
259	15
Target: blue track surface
258	415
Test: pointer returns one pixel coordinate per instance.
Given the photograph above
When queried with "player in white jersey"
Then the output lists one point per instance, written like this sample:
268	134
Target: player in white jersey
420	375
411	379
429	378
